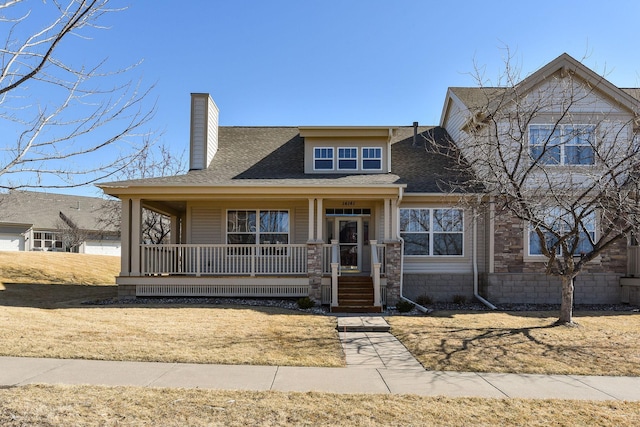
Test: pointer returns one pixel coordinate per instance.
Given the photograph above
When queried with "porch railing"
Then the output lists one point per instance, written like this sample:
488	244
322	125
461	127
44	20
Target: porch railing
189	259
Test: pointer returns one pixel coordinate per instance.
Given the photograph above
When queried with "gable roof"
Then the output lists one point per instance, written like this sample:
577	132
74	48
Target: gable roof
43	210
274	157
478	99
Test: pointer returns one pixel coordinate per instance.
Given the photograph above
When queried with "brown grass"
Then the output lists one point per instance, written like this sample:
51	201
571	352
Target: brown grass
604	343
130	406
40	319
58	268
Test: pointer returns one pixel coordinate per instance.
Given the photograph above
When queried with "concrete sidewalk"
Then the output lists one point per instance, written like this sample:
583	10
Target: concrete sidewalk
376	363
17	371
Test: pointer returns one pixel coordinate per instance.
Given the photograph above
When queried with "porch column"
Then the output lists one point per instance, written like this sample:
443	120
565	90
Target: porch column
387	219
319	220
175	230
394	219
136	227
311	224
125	237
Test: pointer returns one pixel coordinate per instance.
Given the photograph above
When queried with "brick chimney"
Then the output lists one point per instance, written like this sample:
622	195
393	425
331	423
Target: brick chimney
204	131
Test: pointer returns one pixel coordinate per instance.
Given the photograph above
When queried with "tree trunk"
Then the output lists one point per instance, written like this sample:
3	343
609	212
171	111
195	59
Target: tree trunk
566	306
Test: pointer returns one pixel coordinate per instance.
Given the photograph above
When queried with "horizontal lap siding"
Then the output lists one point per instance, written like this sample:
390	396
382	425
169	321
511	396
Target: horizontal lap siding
206	225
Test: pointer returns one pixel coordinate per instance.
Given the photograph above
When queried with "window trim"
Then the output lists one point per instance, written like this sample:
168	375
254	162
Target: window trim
362	159
563	143
354	159
257	231
431	232
316	158
541	257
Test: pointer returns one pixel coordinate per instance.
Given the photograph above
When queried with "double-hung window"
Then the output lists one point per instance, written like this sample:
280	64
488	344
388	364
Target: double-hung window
247	227
562	144
323	158
432	232
347	158
561	222
371	158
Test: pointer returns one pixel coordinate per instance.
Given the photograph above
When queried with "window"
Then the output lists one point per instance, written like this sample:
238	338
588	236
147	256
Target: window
562	222
372	158
323	158
433	232
47	241
348	158
247	227
562	144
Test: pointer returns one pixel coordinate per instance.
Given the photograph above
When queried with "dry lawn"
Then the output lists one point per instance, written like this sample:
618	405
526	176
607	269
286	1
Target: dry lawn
42	315
604	343
129	406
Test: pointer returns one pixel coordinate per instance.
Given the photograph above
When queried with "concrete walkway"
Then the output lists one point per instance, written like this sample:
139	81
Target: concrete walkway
376	363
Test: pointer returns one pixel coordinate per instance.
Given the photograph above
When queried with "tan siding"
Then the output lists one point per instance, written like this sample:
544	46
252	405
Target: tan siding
206	225
299	223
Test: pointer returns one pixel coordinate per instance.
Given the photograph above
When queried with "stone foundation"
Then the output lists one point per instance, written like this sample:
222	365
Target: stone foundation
538	288
126	291
314	270
393	270
440	287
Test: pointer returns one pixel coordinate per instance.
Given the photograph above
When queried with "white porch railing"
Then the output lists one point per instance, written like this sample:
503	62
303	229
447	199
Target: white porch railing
251	260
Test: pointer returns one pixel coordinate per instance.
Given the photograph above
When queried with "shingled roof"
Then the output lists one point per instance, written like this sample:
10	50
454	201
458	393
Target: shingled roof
42	210
274	156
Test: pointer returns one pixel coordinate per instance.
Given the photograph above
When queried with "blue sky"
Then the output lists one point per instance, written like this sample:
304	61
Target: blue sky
349	62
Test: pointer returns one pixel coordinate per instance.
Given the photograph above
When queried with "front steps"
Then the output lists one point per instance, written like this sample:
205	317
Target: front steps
355	295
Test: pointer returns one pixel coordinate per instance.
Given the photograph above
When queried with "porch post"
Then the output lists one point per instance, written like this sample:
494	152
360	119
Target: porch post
136	227
311	224
319	220
387	219
125	237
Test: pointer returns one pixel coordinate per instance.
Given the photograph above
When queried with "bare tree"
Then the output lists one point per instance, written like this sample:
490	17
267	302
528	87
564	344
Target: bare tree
154	161
72	236
560	154
64	123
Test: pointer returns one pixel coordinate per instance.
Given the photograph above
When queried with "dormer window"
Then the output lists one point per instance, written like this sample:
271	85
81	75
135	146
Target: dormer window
562	144
323	158
371	158
347	158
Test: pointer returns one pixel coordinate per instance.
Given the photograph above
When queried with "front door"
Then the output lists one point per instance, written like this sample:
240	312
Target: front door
349	232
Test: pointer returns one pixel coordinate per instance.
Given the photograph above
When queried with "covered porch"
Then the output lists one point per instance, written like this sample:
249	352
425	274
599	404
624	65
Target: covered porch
259	245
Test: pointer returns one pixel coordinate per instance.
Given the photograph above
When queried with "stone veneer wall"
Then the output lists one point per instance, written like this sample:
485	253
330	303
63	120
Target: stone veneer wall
126	291
393	272
516	280
314	270
440	287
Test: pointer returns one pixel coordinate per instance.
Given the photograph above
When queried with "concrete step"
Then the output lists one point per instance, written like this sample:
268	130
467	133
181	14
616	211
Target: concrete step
362	324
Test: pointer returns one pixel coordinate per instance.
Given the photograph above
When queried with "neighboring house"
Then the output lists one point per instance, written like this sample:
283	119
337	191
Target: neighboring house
352	216
38	221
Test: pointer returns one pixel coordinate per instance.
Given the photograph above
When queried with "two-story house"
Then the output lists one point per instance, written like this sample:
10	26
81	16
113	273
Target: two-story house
356	217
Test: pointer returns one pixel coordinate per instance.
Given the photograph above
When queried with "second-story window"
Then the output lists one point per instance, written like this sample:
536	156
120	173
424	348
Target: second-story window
347	158
562	144
371	158
323	158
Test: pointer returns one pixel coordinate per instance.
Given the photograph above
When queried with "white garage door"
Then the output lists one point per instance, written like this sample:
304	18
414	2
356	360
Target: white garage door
101	247
11	242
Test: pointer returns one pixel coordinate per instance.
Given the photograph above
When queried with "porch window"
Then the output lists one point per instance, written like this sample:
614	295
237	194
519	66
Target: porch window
247	227
371	158
432	232
562	222
347	158
562	144
323	158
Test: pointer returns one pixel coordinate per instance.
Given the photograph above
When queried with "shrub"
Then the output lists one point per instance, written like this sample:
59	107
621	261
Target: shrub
459	299
404	306
424	300
305	303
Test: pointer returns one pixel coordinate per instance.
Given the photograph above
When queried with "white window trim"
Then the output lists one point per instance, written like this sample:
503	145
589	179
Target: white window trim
333	158
562	144
257	231
528	256
362	159
338	158
431	232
